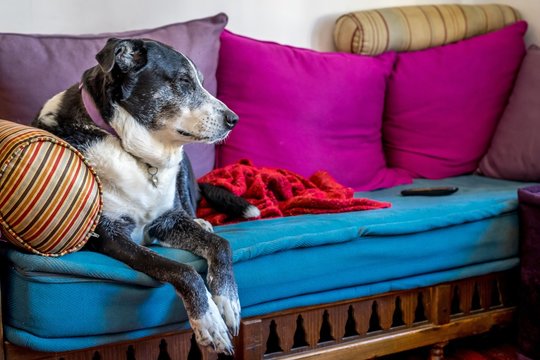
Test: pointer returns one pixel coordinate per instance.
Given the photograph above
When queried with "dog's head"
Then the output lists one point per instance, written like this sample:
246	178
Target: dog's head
161	89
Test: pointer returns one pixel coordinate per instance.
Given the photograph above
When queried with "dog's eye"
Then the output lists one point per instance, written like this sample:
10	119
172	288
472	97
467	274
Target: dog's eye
184	80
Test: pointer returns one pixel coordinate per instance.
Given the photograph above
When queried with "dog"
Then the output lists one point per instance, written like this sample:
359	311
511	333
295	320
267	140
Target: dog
130	116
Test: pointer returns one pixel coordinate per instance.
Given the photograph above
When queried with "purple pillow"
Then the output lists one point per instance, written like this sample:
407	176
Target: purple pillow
33	68
443	103
304	111
515	150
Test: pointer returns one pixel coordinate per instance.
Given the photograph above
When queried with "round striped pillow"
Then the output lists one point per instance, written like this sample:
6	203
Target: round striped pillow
50	198
408	28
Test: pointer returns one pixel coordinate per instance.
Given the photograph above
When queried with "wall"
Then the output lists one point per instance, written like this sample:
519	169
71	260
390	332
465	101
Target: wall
306	23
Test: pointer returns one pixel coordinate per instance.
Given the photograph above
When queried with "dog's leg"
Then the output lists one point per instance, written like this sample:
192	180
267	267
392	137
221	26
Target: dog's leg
186	187
176	229
204	316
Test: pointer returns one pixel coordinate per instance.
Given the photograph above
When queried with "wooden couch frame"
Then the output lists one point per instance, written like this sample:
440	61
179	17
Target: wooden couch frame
361	328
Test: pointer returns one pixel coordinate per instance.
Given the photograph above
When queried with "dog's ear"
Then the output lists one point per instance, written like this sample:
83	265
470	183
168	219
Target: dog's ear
128	55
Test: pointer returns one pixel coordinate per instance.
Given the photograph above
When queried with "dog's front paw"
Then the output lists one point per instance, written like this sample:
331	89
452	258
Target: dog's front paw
204	224
229	307
211	331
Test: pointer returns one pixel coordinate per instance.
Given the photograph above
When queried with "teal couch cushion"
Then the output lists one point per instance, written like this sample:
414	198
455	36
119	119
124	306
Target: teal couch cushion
86	299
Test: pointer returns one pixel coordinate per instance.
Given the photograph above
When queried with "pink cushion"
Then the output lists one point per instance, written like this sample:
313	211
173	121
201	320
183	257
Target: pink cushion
443	103
515	150
305	111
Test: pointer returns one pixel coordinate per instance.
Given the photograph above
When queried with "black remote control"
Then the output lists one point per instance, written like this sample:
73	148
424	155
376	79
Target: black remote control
430	191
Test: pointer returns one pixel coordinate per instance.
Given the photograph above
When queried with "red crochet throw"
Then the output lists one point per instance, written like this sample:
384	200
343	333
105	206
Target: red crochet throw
278	192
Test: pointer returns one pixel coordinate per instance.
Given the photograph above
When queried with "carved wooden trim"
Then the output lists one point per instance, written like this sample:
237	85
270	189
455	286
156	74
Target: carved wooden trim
250	345
355	329
441	300
178	345
419	336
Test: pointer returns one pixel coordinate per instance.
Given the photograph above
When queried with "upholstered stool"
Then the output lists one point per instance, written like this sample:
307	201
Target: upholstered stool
529	307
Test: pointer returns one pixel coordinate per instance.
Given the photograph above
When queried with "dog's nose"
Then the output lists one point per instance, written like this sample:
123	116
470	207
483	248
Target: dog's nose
231	119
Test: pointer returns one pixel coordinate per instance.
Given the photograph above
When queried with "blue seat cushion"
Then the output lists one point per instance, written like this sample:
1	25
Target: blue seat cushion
87	299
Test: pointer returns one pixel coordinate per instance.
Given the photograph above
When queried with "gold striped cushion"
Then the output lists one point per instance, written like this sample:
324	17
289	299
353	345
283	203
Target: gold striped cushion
50	199
408	28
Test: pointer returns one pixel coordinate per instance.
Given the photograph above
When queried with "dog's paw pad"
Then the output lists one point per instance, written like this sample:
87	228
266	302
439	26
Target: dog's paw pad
204	224
230	310
211	331
251	212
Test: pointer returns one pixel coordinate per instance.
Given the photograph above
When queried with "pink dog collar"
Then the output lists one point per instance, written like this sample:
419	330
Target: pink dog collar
93	112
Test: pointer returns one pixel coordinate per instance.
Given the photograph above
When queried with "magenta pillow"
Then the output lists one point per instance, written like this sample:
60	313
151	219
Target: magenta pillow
304	111
443	103
33	68
515	149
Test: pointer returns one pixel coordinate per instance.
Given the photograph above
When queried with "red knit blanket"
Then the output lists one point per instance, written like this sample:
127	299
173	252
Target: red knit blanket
278	192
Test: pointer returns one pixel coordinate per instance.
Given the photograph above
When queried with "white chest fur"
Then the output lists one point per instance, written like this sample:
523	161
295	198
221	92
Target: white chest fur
127	186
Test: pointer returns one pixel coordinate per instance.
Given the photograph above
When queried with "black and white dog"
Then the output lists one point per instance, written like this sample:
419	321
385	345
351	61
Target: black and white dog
130	117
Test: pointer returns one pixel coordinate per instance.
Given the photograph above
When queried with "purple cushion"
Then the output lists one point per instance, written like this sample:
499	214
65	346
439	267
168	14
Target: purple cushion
305	111
443	103
515	150
33	68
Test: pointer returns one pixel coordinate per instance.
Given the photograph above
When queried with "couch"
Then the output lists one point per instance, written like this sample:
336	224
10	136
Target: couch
345	285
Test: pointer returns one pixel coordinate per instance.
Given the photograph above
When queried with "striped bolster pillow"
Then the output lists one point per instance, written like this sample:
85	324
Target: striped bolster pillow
408	28
50	199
